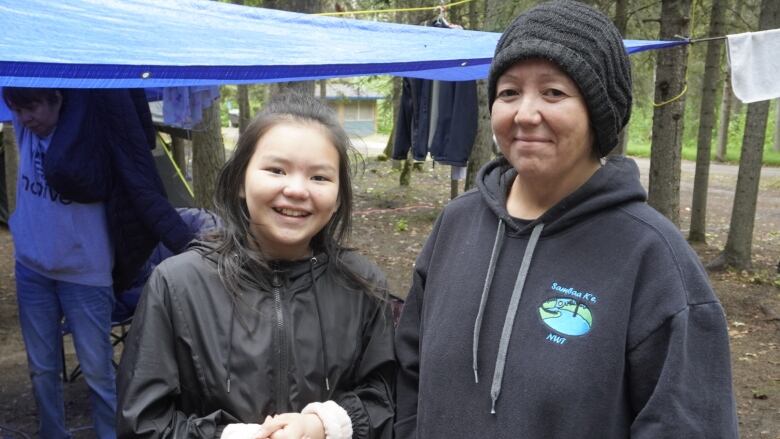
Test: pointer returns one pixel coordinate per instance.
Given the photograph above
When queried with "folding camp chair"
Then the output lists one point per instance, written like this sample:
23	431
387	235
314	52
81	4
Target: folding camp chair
118	334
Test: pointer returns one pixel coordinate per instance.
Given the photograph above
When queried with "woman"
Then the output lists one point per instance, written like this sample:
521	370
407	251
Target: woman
273	322
553	302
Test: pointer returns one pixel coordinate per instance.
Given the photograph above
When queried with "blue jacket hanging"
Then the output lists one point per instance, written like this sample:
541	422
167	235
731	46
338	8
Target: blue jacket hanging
101	151
455	108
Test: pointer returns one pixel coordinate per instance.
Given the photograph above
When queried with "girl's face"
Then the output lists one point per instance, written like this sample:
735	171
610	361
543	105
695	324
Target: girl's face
541	122
291	188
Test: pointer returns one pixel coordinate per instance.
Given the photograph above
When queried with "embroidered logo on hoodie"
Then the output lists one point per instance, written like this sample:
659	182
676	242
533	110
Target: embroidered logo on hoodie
566	316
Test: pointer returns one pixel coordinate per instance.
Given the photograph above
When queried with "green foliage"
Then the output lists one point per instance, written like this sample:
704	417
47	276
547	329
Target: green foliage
641	125
384	117
401	225
224	118
383	85
229	98
642	24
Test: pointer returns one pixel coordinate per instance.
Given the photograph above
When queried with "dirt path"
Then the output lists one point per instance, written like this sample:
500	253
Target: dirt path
391	224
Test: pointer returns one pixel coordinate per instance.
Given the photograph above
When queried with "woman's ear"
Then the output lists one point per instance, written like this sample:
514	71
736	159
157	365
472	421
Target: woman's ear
58	102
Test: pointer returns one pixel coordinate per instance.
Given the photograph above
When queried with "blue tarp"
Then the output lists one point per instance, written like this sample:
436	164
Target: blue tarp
154	43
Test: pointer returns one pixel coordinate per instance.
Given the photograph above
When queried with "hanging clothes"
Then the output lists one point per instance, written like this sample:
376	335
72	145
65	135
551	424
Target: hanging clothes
455	124
754	65
436	117
183	106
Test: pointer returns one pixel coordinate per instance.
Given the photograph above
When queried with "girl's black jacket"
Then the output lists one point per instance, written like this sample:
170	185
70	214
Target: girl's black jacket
196	360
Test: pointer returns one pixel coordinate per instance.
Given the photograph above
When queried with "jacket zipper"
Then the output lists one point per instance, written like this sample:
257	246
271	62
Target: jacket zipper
281	347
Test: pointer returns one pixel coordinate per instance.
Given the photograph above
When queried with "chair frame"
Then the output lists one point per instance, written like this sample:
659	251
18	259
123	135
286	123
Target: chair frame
118	334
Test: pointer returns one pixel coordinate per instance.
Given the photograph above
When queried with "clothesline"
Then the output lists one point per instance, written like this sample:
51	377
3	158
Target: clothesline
387	11
701	40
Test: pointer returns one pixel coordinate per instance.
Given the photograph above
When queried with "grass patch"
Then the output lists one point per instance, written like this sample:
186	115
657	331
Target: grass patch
641	126
771	157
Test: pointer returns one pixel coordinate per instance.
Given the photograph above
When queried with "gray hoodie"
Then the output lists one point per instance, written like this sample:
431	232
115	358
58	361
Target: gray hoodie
594	321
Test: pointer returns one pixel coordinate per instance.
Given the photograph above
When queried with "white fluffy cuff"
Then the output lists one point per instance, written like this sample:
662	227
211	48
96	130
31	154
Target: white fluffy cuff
241	431
334	418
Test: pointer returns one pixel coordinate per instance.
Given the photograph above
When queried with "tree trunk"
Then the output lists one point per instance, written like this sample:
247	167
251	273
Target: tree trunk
208	156
388	151
725	118
621	22
473	23
622	144
482	152
404	166
244	114
179	152
737	252
396	104
697	232
621	16
665	150
736	105
776	145
11	158
303	87
405	178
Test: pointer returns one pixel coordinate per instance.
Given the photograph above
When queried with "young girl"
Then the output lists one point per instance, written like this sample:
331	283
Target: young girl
271	329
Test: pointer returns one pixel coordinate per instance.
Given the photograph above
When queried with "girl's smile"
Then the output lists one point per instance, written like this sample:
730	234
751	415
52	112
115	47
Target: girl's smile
291	188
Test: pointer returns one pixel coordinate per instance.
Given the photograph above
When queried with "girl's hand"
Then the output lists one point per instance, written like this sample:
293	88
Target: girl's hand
293	426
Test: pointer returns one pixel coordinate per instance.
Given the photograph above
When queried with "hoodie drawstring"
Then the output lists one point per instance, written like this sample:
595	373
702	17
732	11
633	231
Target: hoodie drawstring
230	341
485	292
514	302
313	261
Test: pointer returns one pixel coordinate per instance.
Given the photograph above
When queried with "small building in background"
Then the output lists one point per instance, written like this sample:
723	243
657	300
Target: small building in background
356	107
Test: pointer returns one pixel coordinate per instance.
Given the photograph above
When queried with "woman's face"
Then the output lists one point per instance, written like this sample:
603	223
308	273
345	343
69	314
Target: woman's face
291	188
40	117
541	123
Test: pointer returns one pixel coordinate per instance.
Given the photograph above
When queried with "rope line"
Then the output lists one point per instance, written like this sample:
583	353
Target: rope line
385	11
685	88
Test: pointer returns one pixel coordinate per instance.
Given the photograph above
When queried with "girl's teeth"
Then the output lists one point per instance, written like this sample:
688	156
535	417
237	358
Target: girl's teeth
290	212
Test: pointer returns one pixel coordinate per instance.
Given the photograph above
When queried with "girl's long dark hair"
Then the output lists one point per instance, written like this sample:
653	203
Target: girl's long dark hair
238	252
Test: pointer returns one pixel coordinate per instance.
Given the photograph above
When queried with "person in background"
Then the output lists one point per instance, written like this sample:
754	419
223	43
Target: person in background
552	301
270	328
71	219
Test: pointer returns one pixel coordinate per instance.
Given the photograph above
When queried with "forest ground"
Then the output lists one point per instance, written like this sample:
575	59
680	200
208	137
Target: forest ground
391	224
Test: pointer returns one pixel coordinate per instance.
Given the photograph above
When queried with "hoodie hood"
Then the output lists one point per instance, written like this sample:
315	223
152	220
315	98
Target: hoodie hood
615	183
289	271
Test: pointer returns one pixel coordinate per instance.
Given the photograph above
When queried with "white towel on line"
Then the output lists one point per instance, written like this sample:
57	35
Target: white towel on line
755	65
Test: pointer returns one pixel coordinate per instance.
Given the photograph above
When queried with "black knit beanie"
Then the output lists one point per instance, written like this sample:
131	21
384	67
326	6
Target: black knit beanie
585	44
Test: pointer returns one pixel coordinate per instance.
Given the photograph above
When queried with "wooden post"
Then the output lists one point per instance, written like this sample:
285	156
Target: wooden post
11	155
